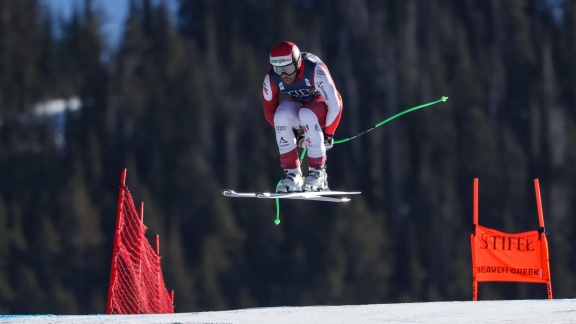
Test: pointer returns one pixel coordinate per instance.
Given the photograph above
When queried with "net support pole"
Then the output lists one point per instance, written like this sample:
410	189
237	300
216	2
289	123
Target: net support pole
121	197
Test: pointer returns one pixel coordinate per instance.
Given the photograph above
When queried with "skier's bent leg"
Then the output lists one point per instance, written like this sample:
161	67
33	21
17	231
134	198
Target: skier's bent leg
285	138
314	138
317	179
284	121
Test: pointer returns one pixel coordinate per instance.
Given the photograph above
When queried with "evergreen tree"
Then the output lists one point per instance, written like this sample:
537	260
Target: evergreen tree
178	103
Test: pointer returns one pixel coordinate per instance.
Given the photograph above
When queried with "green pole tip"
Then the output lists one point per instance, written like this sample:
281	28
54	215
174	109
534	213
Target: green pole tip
277	221
444	98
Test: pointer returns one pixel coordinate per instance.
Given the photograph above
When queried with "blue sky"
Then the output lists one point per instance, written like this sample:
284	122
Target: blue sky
115	12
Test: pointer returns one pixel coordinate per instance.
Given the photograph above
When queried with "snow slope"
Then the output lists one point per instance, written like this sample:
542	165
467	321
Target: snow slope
509	311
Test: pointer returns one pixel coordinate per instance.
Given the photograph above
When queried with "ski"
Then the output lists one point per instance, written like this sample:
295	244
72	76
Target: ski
304	195
232	193
297	195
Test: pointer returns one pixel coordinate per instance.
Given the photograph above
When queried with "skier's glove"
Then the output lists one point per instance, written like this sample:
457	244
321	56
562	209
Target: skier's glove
328	141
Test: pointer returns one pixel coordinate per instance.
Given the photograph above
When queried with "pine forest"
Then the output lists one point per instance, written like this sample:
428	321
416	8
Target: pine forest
178	103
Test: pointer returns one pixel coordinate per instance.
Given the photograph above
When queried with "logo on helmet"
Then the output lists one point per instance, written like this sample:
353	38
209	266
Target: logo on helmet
281	61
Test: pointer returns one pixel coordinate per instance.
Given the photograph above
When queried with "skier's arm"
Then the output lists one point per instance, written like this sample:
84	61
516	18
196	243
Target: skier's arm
270	98
325	85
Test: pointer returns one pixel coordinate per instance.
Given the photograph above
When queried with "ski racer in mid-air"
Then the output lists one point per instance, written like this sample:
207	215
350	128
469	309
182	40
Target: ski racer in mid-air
308	118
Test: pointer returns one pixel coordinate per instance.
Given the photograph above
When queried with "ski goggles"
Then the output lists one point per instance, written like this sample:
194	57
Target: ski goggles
288	69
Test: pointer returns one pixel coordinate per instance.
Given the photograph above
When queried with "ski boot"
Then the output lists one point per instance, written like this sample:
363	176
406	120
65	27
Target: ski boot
292	181
316	180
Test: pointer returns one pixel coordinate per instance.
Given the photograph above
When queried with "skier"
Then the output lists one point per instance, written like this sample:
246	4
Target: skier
308	118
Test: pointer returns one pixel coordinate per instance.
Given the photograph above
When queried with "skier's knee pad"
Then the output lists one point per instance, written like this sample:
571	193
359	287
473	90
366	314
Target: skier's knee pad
284	116
308	117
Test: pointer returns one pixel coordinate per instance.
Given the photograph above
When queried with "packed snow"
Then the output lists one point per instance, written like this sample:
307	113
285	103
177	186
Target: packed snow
509	311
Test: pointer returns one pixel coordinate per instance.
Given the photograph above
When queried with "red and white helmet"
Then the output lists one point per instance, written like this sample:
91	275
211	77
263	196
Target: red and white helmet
285	58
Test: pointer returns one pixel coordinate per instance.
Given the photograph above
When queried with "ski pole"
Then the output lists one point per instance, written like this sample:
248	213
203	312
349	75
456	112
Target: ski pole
443	99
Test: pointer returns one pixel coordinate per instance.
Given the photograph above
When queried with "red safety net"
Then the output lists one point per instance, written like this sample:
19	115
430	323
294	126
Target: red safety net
136	282
519	257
